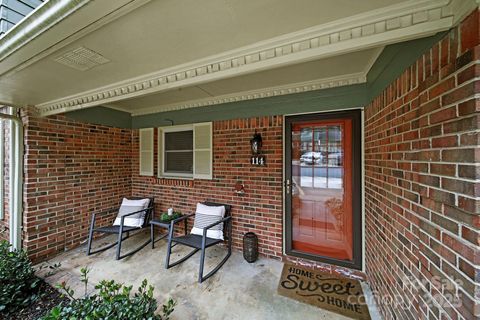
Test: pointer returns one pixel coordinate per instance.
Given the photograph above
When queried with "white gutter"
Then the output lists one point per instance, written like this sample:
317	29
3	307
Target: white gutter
38	21
16	178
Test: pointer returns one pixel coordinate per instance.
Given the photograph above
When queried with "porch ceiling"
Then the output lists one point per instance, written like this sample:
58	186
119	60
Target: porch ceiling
163	55
343	69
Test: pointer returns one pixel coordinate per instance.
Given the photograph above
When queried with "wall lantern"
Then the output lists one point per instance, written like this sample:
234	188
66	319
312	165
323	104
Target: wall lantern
256	143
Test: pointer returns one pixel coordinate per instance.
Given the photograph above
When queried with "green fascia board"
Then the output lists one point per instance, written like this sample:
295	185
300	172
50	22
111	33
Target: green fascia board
320	100
394	60
102	116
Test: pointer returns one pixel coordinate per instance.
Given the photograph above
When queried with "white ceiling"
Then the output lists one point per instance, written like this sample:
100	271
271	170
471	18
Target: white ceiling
163	35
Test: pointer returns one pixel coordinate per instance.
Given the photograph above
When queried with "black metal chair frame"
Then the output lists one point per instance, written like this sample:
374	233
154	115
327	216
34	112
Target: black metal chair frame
201	243
120	230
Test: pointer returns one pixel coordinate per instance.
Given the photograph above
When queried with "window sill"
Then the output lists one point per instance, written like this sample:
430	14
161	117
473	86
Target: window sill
175	178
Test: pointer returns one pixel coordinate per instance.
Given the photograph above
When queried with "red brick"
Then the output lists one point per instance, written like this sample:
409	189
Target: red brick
471	235
470	139
468	74
443	115
469	107
442	87
443	169
444	142
461	155
469	171
470	32
444	50
461	125
463	92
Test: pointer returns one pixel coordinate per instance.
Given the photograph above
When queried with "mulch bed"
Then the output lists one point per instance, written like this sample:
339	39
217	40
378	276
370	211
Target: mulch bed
48	299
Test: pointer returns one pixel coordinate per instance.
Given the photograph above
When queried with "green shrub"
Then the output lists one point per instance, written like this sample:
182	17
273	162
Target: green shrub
111	301
18	284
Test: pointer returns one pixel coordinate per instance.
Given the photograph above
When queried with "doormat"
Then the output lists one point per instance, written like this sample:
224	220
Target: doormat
326	291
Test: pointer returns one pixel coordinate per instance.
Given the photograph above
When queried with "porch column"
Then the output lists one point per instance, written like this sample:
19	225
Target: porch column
16	177
2	170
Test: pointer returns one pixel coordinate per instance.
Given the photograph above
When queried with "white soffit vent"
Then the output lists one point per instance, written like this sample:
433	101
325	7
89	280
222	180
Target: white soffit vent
82	59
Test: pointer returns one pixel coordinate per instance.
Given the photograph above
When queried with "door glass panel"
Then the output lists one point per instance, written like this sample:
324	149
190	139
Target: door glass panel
321	193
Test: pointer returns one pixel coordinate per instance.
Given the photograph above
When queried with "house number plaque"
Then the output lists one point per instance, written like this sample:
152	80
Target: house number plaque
258	160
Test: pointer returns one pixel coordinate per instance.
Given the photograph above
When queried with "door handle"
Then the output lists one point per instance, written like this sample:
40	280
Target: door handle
289	185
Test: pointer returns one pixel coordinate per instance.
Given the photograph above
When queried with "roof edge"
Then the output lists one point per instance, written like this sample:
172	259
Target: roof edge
37	22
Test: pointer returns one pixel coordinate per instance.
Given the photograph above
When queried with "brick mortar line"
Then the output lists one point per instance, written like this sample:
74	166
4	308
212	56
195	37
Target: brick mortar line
456	177
427	174
475	164
443	134
428	127
429	209
429	186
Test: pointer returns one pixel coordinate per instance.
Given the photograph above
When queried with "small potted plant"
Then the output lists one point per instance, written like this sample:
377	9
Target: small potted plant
170	215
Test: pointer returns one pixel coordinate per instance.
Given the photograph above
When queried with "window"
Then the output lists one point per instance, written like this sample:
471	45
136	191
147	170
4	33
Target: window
185	151
178	152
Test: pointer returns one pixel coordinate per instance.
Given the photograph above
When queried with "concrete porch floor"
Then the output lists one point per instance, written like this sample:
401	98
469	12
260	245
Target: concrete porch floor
239	290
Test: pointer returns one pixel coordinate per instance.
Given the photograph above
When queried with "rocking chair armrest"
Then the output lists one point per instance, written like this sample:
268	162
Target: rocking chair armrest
122	218
174	221
101	213
226	219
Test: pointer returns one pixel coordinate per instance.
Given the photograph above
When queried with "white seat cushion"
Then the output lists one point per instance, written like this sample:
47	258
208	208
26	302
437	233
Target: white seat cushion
206	215
129	206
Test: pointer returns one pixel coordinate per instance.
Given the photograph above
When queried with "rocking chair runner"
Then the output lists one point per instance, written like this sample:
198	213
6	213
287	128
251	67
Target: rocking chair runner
120	229
201	243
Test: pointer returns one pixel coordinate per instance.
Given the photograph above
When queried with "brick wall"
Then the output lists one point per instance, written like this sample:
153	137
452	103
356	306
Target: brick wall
422	183
260	209
72	170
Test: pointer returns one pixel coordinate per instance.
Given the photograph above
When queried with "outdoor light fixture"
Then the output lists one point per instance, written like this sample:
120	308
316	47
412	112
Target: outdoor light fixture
256	146
256	143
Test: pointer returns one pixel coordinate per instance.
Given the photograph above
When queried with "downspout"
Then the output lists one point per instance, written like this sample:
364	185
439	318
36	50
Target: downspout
16	178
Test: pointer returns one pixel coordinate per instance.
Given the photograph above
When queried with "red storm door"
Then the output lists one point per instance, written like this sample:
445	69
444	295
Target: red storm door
320	188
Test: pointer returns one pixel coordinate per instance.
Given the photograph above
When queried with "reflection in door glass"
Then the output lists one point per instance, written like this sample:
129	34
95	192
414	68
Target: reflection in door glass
321	157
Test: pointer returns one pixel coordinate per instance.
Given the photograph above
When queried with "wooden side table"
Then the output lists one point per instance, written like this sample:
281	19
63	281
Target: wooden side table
163	224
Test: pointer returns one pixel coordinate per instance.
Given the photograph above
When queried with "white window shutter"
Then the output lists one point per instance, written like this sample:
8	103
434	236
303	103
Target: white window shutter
146	152
202	151
160	152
